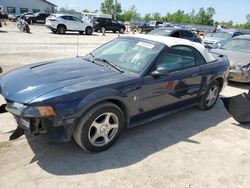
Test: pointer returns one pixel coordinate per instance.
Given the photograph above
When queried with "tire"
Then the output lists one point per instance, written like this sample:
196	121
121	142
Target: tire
89	31
19	26
81	32
27	29
93	133
61	29
103	30
210	98
121	30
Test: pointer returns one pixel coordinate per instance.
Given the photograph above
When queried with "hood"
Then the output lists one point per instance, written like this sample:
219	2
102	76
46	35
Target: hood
26	84
234	57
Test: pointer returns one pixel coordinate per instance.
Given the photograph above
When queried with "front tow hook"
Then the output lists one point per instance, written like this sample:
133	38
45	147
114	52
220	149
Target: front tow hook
2	108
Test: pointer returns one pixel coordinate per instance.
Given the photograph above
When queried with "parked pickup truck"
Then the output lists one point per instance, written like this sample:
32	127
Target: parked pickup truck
37	17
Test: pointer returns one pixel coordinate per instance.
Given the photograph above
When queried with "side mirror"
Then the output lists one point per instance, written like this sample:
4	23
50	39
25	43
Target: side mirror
160	71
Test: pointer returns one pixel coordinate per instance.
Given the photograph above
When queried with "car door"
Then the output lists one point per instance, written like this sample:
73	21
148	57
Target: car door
40	18
187	35
68	21
176	34
182	83
108	24
115	25
78	24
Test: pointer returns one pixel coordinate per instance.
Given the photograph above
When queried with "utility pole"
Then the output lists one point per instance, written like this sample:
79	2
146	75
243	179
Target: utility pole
115	9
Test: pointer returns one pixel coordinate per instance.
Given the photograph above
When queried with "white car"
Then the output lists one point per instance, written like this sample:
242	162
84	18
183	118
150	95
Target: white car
60	23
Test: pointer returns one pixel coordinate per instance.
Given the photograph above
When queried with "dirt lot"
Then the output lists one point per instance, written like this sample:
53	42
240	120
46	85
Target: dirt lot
188	149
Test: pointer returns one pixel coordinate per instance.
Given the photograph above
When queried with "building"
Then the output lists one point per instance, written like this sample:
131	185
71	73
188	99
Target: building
14	7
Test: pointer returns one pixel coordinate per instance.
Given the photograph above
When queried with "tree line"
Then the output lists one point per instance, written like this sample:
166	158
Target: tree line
202	17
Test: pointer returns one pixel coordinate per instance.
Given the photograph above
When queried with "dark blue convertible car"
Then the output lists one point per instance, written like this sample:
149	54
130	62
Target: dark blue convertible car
124	83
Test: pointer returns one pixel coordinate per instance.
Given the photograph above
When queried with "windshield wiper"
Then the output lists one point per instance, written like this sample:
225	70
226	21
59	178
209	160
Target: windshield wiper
110	64
88	58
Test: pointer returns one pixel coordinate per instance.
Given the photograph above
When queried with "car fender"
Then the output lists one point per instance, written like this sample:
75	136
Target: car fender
98	96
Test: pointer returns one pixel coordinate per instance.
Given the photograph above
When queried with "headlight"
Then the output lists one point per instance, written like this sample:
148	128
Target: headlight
246	66
30	111
242	67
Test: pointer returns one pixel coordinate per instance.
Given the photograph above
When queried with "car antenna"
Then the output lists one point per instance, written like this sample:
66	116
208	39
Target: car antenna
77	44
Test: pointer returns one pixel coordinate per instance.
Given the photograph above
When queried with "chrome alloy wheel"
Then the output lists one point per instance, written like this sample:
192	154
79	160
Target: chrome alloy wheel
103	129
212	95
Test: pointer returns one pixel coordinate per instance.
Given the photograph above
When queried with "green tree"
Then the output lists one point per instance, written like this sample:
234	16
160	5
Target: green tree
148	17
205	17
130	14
86	11
109	7
156	16
248	18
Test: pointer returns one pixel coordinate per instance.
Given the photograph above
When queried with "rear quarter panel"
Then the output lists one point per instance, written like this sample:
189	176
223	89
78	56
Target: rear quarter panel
218	69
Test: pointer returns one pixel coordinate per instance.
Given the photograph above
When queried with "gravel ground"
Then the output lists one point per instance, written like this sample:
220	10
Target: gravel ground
188	149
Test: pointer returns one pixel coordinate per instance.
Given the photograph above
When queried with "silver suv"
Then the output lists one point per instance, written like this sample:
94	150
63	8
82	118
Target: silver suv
60	23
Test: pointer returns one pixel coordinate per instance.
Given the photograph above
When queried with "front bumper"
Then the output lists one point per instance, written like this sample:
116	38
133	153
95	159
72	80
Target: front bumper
239	76
57	129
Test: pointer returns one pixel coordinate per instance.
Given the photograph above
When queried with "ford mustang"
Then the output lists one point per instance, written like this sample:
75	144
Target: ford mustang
124	83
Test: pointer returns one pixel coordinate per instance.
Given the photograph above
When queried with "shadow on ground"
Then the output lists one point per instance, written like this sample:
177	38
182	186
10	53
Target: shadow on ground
73	33
245	126
239	85
133	146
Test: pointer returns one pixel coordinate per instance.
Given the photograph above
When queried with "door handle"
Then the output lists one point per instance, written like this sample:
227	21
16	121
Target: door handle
195	74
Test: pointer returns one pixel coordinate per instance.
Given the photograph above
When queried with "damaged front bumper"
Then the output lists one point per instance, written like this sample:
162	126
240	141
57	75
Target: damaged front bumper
239	75
57	129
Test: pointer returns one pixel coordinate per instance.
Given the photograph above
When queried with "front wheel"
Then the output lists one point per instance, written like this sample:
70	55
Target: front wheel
88	30
99	128
209	99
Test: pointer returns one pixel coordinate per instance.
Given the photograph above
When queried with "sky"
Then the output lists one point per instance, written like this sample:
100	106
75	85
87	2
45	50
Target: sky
226	10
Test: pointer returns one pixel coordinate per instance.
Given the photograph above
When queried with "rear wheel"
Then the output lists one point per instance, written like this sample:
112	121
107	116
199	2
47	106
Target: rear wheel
103	30
209	99
88	30
61	29
121	30
99	128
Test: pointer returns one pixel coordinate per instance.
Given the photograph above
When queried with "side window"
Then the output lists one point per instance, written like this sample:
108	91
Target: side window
177	58
114	22
67	18
108	21
70	18
199	58
176	34
186	34
76	19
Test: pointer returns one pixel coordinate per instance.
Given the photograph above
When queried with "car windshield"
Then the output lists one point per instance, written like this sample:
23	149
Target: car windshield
128	54
221	35
161	32
240	45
